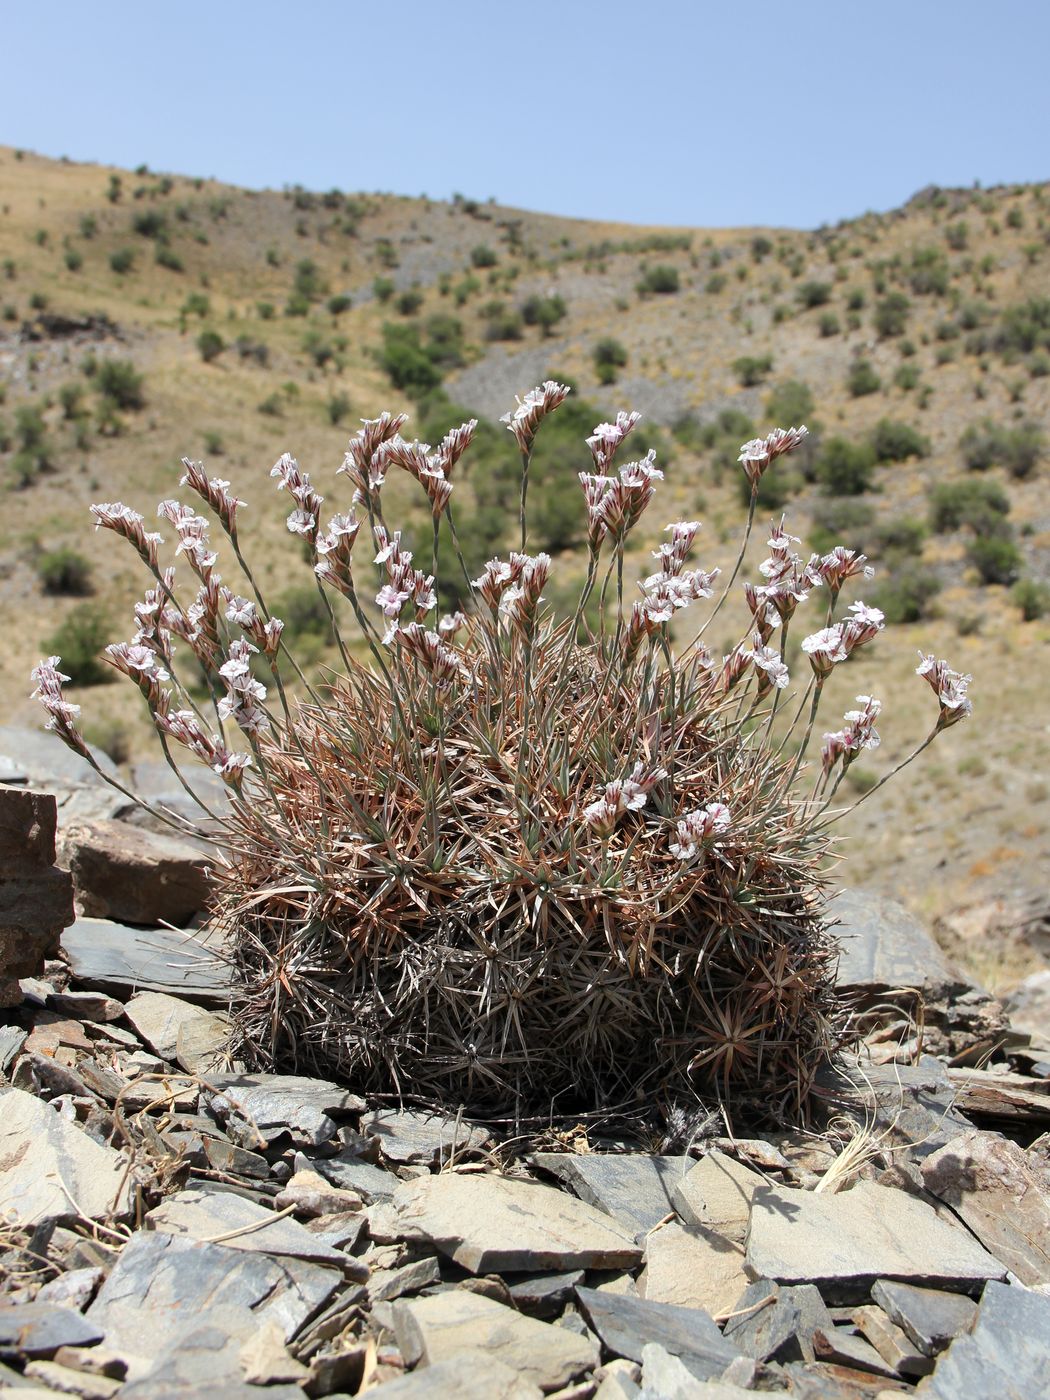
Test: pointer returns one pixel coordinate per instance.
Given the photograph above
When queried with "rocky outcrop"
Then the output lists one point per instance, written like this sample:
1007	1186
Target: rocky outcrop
36	898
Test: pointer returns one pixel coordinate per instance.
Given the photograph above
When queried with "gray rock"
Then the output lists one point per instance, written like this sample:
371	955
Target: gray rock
12	1038
166	1023
240	1224
928	1316
387	1284
204	1362
350	1172
993	1187
133	875
50	1163
279	1104
1028	1007
543	1295
71	1382
893	1344
162	1287
448	1323
692	1267
635	1188
48	763
765	1331
844	1242
885	947
426	1138
469	1375
38	1329
626	1325
843	1347
111	956
73	1289
94	1007
664	1377
1007	1355
717	1194
912	1105
488	1224
812	1313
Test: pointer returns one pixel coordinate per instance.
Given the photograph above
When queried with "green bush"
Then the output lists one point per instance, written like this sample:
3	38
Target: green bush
409	302
64	571
122	261
812	294
214	446
891	315
982	505
544	312
308	282
150	223
383	289
790	404
660	279
79	642
896	442
444	342
88	226
855	299
71	397
1025	327
845	468
197	304
271	407
1019	449
929	274
829	324
338	407
752	369
862	379
899	535
906	597
1032	598
120	381
74	261
995	557
761	247
502	321
609	356
339	304
265	310
211	345
483	256
167	257
843	521
906	377
405	360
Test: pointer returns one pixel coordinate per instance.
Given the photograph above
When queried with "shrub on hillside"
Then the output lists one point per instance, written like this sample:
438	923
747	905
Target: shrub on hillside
1032	598
752	369
846	521
544	311
609	356
483	256
65	572
659	280
210	345
995	557
845	468
811	294
890	317
409	302
908	594
862	379
122	261
79	641
982	505
896	442
483	868
1019	450
406	361
121	382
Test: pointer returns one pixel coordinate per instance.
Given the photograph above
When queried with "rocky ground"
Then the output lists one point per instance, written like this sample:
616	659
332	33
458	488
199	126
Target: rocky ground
172	1225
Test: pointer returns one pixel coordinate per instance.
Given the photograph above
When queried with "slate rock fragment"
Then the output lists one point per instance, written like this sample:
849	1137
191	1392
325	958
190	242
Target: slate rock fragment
626	1325
633	1187
930	1317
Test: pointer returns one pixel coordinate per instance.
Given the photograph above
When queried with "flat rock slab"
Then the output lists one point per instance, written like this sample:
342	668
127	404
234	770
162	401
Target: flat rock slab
692	1267
163	1288
992	1186
350	1172
884	947
928	1316
46	761
489	1224
844	1242
421	1138
39	1329
633	1187
47	1164
275	1104
107	956
166	1023
1006	1356
717	1193
626	1325
767	1320
240	1224
129	873
447	1323
469	1375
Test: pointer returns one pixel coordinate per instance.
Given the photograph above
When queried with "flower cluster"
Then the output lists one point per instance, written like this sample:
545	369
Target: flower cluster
404	583
129	524
858	733
616	504
531	411
698	829
521	599
142	665
266	636
334	550
184	727
305	519
833	644
62	714
950	688
759	454
620	796
430	650
215	493
840	565
244	695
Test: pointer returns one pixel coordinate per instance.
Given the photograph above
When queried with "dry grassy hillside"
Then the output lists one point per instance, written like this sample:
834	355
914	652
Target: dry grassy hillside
256	322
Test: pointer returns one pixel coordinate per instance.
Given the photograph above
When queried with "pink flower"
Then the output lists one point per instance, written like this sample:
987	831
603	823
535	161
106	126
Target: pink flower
439	659
864	624
304	520
842	564
607	437
620	796
524	421
520	602
365	463
62	713
949	686
771	669
128	523
825	649
214	492
698	828
758	454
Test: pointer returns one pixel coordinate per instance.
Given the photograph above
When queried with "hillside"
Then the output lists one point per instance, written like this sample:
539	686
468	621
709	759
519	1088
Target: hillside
260	322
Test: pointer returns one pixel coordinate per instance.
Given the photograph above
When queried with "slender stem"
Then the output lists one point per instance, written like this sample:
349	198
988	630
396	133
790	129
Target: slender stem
736	568
525	459
817	688
884	780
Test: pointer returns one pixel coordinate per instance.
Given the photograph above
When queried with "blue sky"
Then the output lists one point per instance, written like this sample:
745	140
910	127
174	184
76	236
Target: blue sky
663	112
